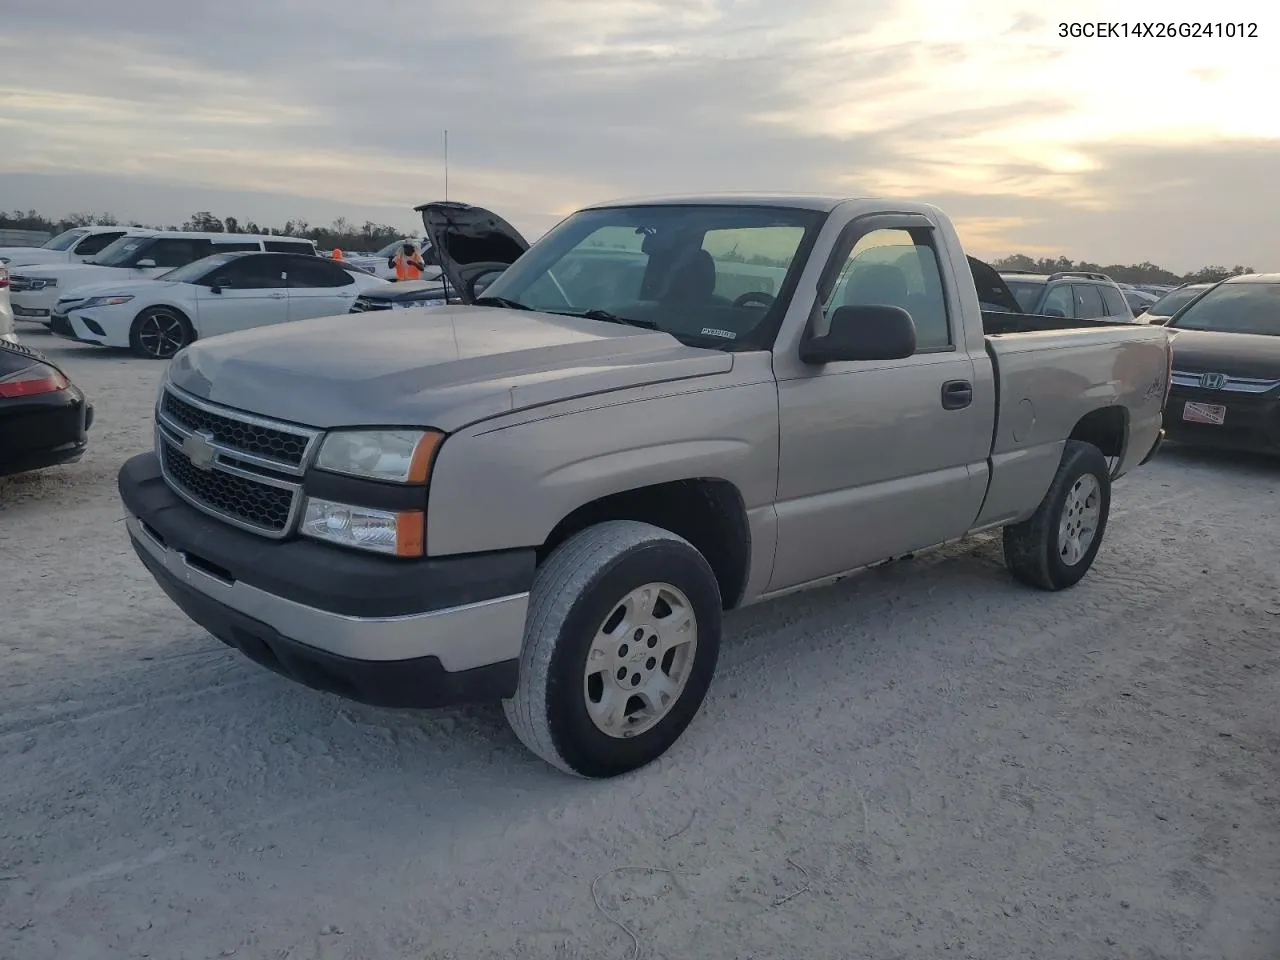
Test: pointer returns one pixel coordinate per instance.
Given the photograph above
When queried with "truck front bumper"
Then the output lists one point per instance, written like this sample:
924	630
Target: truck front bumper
392	633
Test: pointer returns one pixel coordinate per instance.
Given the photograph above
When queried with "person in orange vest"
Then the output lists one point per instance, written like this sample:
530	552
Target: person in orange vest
337	253
408	263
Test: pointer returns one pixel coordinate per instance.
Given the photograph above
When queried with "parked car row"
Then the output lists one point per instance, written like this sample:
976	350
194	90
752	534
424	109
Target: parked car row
218	294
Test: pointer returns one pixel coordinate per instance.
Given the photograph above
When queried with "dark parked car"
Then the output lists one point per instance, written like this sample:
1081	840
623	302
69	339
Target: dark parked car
1173	301
44	417
1226	367
1071	294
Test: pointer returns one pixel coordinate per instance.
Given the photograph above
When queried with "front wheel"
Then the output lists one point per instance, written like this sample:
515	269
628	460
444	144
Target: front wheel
160	332
620	645
1055	547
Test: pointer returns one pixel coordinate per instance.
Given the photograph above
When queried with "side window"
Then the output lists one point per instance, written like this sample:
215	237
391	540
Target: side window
1059	302
175	252
316	272
1114	302
1088	302
231	246
252	273
96	243
898	268
290	246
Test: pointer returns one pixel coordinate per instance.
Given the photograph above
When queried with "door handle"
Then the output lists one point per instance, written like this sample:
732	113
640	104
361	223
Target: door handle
276	296
956	394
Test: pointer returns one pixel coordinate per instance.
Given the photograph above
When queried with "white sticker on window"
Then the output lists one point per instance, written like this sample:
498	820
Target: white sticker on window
713	332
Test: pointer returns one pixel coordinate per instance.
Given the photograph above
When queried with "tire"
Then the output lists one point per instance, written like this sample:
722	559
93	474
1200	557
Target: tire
1040	551
160	332
576	596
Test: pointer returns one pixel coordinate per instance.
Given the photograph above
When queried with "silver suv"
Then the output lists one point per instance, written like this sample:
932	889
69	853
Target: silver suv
1073	294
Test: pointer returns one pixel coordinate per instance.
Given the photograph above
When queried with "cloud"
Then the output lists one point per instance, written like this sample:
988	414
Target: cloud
550	105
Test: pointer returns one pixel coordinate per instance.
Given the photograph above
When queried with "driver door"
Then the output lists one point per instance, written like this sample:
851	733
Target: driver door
247	292
879	458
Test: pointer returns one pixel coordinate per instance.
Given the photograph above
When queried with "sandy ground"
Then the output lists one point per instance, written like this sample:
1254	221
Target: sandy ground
925	761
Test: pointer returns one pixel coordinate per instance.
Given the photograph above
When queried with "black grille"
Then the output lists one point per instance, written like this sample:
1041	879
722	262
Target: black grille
259	504
251	438
366	304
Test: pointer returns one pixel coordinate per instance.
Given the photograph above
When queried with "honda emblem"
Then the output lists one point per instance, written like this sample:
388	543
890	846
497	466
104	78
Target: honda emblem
1212	381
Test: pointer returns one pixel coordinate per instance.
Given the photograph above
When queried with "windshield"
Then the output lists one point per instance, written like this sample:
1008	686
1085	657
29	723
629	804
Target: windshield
65	240
1235	308
717	276
122	252
1171	303
197	269
1027	294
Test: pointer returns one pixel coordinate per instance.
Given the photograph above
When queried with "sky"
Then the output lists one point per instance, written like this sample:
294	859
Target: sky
1108	150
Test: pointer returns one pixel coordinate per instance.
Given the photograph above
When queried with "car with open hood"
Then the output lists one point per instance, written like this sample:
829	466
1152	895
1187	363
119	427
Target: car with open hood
548	494
1226	376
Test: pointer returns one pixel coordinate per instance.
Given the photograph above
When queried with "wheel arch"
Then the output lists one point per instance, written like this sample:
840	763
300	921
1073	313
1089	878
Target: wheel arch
709	512
1106	428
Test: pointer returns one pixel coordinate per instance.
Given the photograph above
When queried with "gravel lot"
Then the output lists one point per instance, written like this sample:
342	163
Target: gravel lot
923	761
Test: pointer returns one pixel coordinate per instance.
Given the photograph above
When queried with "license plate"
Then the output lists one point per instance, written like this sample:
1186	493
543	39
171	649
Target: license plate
1213	413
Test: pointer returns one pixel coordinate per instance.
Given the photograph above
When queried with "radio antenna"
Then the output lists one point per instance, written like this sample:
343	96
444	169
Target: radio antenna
446	164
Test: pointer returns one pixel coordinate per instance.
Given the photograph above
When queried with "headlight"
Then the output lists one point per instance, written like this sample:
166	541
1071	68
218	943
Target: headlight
398	534
400	456
100	302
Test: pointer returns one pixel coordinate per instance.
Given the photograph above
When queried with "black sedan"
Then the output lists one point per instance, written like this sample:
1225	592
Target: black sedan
1226	367
44	418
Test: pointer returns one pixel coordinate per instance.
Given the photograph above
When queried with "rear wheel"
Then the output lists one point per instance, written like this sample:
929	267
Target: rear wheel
620	644
1055	547
160	332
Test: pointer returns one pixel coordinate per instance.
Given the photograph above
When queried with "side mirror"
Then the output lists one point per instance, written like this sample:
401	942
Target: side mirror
863	333
146	264
217	283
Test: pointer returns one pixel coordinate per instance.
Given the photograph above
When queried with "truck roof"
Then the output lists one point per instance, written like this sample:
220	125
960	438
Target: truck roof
824	204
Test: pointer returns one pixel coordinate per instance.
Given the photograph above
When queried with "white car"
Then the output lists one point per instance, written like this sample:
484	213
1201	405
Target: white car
139	254
6	311
71	246
218	294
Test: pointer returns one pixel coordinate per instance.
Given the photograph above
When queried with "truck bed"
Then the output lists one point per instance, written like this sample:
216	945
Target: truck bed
997	322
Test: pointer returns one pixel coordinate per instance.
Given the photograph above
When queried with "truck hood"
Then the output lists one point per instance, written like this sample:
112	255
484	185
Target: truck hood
442	368
22	256
1235	354
469	241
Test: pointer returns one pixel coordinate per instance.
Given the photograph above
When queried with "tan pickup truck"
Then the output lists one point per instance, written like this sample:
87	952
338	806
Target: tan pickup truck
660	411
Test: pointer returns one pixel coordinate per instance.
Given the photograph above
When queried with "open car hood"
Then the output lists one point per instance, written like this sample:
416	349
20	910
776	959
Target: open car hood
469	242
991	286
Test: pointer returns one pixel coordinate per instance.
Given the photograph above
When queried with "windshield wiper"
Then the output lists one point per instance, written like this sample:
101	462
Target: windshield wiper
608	317
500	302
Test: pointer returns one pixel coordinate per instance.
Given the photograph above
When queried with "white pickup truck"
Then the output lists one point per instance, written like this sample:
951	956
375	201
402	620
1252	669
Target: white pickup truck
660	411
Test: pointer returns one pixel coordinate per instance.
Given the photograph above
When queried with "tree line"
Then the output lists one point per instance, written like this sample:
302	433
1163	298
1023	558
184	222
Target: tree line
373	236
341	233
1121	273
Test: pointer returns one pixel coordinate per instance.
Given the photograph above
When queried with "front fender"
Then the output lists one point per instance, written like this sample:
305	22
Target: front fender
495	488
